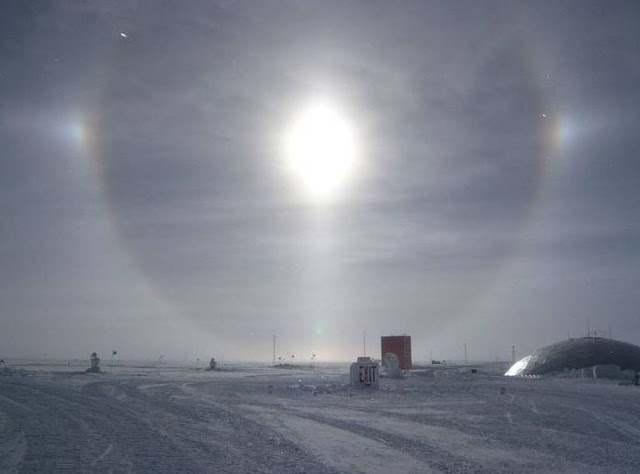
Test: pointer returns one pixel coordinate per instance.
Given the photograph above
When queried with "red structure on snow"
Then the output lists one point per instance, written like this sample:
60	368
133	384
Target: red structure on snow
400	346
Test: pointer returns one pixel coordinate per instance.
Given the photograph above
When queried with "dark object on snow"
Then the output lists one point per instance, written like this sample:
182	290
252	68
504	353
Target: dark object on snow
474	371
636	379
578	353
212	364
95	364
4	370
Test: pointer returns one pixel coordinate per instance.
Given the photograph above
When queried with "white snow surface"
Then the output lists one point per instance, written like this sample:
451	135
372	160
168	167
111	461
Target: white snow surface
258	419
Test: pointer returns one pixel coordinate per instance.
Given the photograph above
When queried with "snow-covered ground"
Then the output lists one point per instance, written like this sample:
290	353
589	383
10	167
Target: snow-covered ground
259	419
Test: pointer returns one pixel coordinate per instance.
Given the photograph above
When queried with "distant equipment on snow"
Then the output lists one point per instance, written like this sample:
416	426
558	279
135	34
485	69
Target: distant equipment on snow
212	364
4	370
95	364
401	347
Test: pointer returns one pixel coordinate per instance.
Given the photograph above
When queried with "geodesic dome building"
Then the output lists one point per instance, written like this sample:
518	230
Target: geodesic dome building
578	354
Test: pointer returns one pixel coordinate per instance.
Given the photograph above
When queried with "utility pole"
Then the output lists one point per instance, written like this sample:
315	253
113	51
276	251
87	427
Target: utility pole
513	353
610	331
588	326
274	350
465	353
364	343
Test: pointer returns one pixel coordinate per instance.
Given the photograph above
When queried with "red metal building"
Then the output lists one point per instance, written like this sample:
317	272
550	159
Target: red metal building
400	346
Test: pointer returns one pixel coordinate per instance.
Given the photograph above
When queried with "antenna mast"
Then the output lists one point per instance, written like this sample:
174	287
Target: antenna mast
364	342
274	350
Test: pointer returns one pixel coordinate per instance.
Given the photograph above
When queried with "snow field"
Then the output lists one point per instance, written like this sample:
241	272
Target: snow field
249	419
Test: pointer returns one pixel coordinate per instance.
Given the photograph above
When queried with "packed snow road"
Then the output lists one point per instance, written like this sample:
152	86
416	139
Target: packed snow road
266	420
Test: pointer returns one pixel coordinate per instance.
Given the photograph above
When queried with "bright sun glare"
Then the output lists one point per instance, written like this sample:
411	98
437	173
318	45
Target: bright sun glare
321	151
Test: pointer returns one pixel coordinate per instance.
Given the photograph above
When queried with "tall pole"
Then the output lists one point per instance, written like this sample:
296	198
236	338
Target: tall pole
465	353
274	350
513	353
364	343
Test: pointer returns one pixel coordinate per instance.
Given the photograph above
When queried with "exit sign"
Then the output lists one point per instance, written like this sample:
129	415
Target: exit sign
365	373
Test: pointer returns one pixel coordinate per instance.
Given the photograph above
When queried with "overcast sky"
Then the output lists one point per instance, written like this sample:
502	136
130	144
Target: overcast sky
147	206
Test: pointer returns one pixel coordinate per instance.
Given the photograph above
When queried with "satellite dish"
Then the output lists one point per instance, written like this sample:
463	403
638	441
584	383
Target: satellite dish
392	363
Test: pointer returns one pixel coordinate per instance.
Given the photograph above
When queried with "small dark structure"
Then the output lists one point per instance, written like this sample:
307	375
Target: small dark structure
95	364
578	353
212	364
400	346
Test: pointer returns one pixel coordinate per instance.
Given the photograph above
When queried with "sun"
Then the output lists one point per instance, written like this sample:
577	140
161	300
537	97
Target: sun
321	151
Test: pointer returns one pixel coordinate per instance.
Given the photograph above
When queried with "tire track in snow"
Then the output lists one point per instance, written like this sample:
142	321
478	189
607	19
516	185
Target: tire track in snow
619	425
103	455
344	449
431	456
69	430
218	431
